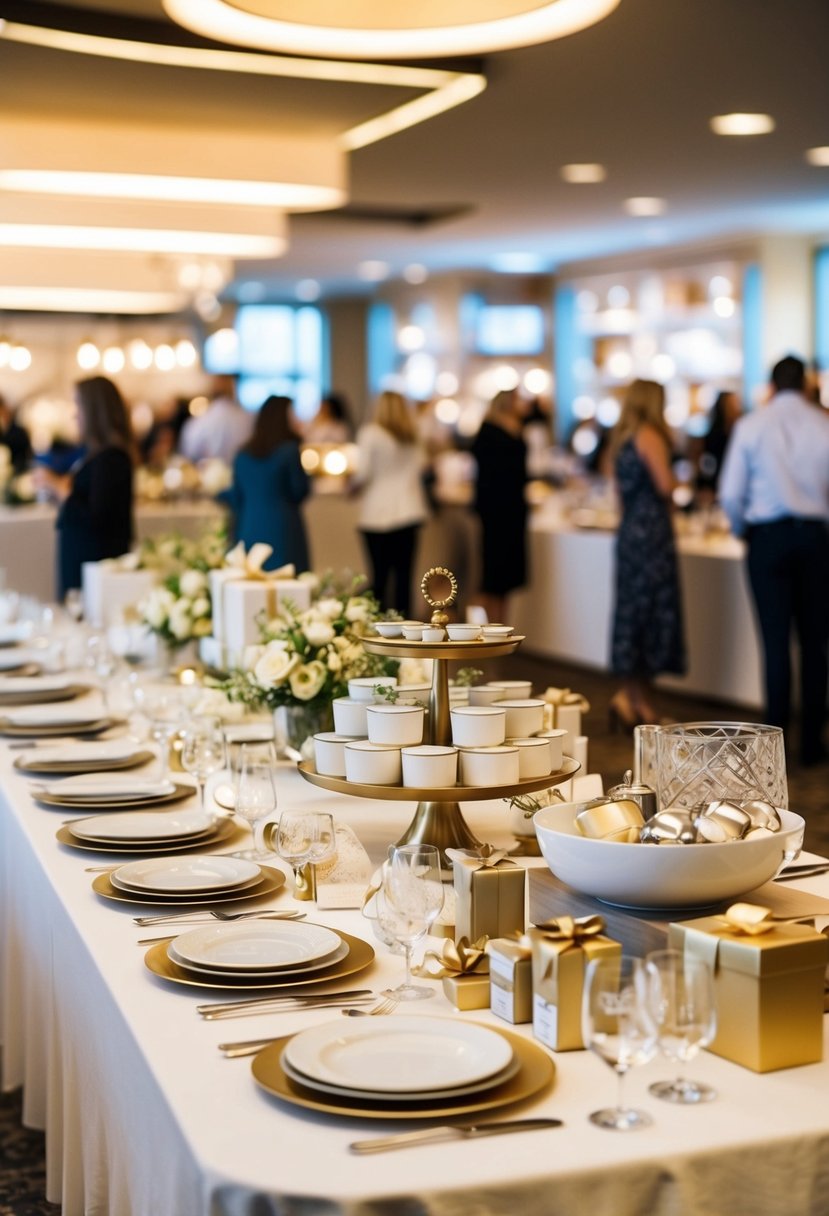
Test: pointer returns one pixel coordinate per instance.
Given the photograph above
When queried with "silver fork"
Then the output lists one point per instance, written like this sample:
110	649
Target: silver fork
387	1005
187	917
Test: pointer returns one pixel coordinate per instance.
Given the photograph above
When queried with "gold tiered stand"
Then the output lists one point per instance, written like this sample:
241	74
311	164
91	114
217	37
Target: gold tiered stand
438	819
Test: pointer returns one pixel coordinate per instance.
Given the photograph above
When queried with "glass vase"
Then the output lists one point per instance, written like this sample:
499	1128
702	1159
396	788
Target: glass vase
295	726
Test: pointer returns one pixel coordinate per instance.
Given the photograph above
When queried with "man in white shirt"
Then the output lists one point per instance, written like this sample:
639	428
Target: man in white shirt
221	430
775	490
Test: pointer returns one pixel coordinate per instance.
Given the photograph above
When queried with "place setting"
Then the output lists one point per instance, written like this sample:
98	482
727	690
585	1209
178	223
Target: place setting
100	755
36	690
44	721
111	791
142	831
187	881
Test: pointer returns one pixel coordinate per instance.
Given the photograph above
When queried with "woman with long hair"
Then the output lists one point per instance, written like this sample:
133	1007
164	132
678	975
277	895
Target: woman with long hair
500	501
647	623
269	487
390	468
95	516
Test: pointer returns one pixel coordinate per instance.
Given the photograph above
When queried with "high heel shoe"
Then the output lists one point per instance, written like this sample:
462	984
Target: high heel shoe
621	716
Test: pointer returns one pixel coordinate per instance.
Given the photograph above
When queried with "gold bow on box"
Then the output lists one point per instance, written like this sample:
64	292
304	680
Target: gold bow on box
250	564
484	858
561	949
461	958
558	699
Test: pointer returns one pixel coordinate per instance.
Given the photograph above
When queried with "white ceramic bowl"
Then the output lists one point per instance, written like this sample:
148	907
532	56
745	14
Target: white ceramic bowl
463	632
329	753
485	694
389	629
478	725
413	632
430	766
489	766
434	633
518	690
661	876
350	717
496	633
556	740
534	757
399	725
362	688
372	763
524	717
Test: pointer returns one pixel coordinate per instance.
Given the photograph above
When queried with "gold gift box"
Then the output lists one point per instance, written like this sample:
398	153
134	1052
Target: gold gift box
558	980
768	990
467	992
490	900
511	981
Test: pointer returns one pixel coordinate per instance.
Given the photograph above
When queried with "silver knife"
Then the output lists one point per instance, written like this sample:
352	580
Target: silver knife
451	1131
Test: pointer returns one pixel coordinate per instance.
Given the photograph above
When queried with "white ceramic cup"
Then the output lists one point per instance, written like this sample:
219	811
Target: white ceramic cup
485	694
329	753
430	766
372	763
493	766
524	717
463	632
350	717
518	690
362	688
556	741
534	757
478	725
399	725
389	629
434	633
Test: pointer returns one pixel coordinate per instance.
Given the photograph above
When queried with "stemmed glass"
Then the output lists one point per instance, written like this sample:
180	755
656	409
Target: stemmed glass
618	1025
255	792
408	904
681	994
73	603
303	837
167	716
102	661
203	751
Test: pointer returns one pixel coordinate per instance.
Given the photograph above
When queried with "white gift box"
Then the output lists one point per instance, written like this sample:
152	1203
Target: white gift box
218	580
245	600
110	595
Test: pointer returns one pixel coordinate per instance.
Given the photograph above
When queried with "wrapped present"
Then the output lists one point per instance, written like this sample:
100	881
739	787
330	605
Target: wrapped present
511	980
464	969
218	580
112	591
561	949
768	985
563	711
489	892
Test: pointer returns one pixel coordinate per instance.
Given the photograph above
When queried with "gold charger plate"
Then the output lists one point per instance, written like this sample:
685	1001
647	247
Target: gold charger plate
360	955
40	730
224	829
43	697
116	804
73	767
535	1073
272	880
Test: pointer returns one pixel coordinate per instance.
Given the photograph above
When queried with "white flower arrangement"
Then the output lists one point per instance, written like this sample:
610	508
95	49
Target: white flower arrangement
179	608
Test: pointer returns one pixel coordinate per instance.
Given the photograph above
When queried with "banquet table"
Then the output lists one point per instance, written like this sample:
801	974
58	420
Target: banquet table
144	1117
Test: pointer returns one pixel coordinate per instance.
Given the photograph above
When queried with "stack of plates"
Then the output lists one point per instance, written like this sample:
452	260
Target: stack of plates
42	720
200	880
111	791
146	832
259	954
33	690
100	756
16	658
14	632
403	1067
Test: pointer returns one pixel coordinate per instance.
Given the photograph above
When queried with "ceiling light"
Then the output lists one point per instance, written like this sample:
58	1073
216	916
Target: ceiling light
20	359
723	306
584	407
447	384
434	30
719	285
140	240
113	360
93	300
537	381
307	290
519	262
415	273
645	206
88	356
5	352
742	124
583	175
506	378
373	271
411	338
818	156
140	355
608	412
447	411
164	357
618	296
252	292
186	353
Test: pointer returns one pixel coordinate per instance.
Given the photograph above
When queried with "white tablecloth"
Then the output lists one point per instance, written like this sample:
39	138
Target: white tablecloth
144	1117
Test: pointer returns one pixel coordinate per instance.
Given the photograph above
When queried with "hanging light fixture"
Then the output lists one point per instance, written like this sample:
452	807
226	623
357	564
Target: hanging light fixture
88	356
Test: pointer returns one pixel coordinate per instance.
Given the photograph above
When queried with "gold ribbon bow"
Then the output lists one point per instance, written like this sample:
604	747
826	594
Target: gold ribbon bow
461	959
483	859
750	919
563	696
250	564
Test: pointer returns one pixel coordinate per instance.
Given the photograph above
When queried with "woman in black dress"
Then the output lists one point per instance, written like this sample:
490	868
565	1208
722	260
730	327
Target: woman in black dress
501	456
647	624
95	516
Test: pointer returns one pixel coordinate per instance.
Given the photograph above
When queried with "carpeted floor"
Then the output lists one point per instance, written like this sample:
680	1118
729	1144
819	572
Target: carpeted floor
21	1151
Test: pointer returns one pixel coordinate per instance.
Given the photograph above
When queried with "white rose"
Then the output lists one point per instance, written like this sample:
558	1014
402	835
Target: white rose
251	656
319	631
193	583
334	661
275	665
358	608
308	680
330	607
157	607
181	622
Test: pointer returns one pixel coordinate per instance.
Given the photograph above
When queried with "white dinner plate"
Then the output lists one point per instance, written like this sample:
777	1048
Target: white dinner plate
155	826
160	875
398	1055
24	684
78	753
15	632
420	1095
281	973
18	657
256	945
107	787
51	715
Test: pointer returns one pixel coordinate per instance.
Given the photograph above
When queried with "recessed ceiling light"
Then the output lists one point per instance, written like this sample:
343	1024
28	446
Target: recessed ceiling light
518	262
818	156
373	271
583	175
415	273
307	290
742	124
645	206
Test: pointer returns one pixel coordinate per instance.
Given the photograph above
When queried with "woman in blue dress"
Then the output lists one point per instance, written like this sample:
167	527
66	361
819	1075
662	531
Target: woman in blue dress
269	486
647	623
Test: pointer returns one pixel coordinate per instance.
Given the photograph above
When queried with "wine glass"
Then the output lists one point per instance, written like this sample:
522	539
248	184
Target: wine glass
408	904
255	792
167	716
681	994
618	1025
101	660
303	837
73	603
203	751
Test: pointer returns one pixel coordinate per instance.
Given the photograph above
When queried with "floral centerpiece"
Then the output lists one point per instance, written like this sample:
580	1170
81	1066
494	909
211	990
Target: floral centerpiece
178	609
306	659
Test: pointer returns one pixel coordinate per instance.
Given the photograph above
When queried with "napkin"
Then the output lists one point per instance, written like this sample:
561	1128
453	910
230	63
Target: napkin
108	787
342	882
77	753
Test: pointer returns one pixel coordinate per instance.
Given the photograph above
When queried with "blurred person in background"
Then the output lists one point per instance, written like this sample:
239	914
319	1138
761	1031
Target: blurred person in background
95	516
647	637
331	423
775	491
221	430
269	487
724	414
14	437
390	469
500	502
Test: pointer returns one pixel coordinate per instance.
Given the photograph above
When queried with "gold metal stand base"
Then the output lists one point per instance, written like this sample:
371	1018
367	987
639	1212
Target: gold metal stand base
441	824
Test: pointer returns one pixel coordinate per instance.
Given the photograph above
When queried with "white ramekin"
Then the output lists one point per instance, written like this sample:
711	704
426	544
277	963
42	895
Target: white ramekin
350	717
513	690
372	763
430	766
556	740
534	757
478	725
485	694
329	753
398	725
362	688
497	633
434	633
524	717
463	632
493	766
413	631
389	629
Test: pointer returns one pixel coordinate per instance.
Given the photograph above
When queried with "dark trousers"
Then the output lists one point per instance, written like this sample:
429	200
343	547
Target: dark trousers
788	566
391	555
